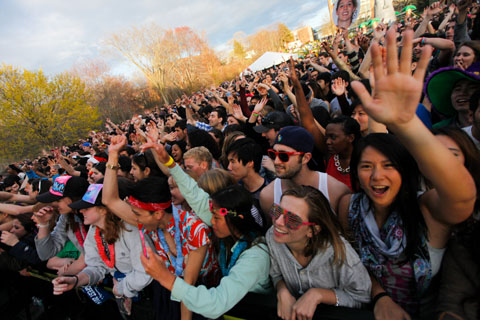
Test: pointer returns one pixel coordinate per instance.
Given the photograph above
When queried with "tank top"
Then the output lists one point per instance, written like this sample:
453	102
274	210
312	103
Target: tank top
322	186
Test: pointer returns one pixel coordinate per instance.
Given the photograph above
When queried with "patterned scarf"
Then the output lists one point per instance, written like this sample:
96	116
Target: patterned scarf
382	253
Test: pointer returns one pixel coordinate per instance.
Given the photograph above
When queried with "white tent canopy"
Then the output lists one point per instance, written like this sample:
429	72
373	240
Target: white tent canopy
269	59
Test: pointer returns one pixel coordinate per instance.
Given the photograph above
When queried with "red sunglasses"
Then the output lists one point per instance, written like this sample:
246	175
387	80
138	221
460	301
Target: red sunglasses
292	221
284	156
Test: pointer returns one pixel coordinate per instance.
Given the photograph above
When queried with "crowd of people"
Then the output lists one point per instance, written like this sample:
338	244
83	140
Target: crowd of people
341	185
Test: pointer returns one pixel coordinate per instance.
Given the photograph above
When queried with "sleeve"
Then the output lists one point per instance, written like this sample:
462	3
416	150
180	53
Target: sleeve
198	235
243	103
203	126
460	33
251	267
355	284
196	197
275	272
137	279
277	102
53	243
96	268
25	252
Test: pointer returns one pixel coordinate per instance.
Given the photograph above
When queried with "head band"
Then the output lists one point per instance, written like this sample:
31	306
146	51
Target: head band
149	206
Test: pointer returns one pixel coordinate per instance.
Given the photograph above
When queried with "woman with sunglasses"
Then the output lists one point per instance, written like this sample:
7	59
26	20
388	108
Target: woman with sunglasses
312	263
400	236
244	260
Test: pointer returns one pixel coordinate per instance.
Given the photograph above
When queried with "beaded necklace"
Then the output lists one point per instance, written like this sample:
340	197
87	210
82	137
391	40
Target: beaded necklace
107	252
80	233
336	160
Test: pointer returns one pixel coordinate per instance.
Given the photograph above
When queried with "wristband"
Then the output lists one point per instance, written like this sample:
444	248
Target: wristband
378	297
76	281
42	225
169	162
255	113
422	42
112	166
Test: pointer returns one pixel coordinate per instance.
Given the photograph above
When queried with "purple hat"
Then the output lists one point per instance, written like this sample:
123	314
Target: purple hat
296	138
440	84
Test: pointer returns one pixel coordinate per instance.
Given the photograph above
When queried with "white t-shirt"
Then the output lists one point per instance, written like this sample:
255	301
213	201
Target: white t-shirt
468	130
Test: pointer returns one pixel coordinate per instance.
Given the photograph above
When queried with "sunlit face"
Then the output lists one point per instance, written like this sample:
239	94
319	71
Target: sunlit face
193	165
236	167
270	135
378	177
452	146
336	139
213	119
282	234
17	229
361	116
345	11
177	153
177	197
93	216
62	205
219	224
289	169
137	173
461	93
464	57
180	134
94	175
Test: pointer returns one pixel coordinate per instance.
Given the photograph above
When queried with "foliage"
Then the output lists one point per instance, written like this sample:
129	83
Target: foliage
40	112
273	38
238	50
174	61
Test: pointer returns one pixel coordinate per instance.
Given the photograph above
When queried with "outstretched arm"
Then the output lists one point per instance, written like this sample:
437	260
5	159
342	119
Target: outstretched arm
397	94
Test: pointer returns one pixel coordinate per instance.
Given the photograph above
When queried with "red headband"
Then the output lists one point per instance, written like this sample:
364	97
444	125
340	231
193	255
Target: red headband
149	206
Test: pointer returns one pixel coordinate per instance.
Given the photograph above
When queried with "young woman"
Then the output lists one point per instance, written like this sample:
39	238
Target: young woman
65	190
244	262
96	173
111	247
467	54
311	262
360	116
341	134
176	235
400	237
144	166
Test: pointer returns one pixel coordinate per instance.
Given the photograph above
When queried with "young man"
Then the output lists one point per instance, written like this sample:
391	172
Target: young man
217	119
271	125
291	153
198	160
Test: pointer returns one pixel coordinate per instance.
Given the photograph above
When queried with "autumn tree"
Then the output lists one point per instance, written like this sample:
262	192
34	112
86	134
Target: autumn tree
273	38
238	50
169	59
41	112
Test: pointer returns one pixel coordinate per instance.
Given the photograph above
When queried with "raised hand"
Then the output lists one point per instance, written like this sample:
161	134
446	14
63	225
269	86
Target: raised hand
339	86
397	92
117	143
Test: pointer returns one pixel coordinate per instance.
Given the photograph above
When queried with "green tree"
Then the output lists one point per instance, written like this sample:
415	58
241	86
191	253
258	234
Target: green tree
238	50
40	112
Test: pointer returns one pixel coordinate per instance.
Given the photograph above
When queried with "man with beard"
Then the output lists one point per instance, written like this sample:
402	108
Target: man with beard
291	153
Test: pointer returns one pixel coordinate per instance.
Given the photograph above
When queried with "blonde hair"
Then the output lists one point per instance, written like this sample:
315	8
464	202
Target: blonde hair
215	180
200	154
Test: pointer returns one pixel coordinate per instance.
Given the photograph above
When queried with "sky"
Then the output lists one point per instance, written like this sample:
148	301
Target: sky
54	35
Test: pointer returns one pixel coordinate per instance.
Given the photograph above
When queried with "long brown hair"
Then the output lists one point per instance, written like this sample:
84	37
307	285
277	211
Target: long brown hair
113	226
322	215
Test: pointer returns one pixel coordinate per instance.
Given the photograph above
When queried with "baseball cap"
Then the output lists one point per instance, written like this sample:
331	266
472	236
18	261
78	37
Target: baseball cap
275	120
296	138
93	196
64	186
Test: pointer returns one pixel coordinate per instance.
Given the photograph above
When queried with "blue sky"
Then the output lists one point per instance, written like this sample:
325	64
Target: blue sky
56	34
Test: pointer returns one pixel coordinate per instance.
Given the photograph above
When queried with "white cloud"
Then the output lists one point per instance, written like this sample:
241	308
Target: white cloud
54	34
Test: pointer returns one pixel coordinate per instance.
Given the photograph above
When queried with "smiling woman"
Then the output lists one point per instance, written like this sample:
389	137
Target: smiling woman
344	13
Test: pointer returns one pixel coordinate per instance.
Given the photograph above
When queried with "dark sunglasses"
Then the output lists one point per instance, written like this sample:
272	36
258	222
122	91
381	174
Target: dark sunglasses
292	221
284	156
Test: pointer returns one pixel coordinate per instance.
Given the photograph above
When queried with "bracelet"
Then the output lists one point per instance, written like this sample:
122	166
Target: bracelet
422	42
378	297
76	281
169	162
42	225
255	113
112	166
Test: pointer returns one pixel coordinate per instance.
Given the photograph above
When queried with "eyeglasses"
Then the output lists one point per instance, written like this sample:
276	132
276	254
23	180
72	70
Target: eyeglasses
292	221
284	156
222	211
